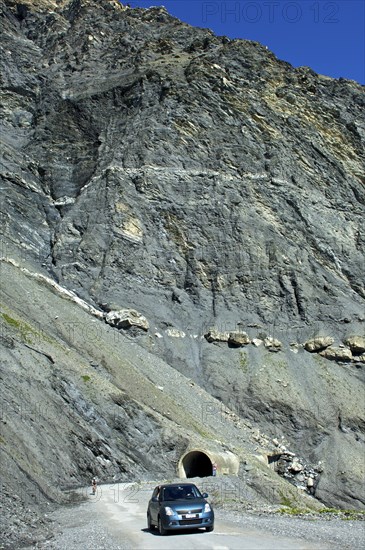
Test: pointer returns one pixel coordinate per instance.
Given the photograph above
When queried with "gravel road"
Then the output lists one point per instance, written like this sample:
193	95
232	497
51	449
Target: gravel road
115	519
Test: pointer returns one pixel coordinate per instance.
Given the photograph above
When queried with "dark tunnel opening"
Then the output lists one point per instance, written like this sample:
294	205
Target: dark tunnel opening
197	464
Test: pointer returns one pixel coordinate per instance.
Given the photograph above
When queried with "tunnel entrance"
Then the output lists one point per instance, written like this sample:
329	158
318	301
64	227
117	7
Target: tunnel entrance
197	464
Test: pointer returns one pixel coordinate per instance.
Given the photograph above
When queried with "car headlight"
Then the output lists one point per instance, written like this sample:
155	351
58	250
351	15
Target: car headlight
207	508
169	511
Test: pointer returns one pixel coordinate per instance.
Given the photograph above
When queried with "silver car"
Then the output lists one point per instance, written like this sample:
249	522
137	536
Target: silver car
179	506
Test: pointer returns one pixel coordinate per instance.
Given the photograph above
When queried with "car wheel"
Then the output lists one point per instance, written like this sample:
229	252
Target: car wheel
161	528
149	523
209	529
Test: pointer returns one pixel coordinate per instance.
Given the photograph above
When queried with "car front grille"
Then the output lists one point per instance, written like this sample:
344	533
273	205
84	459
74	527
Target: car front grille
189	511
196	521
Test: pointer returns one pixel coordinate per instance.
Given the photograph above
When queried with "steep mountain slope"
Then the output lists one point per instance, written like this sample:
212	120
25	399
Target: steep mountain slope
78	399
209	186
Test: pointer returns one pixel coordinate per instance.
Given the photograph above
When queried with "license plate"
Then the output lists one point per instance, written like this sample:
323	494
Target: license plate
190	515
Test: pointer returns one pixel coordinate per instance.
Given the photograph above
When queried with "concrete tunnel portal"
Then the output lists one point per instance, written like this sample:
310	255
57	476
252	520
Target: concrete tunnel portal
197	464
202	463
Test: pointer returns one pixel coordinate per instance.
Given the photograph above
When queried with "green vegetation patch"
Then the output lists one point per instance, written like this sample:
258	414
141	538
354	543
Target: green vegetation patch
12	322
27	333
344	514
289	508
243	361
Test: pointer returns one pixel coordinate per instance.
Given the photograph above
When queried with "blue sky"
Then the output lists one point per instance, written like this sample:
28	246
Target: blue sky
327	36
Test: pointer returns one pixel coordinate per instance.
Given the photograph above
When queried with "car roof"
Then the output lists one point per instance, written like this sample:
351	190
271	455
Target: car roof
176	485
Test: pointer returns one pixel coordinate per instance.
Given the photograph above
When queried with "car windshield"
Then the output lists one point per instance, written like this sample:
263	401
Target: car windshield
181	492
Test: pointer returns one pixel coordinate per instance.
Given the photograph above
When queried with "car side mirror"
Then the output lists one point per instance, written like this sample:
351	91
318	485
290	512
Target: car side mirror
154	499
205	495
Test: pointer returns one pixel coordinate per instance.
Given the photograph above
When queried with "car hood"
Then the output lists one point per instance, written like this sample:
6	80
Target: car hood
186	504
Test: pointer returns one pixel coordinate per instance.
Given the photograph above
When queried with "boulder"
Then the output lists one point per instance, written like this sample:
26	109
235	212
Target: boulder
337	354
238	339
126	318
175	333
300	477
272	344
296	466
356	344
318	343
214	335
257	342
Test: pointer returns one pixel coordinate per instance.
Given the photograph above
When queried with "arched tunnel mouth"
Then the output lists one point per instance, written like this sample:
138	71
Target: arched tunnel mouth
197	464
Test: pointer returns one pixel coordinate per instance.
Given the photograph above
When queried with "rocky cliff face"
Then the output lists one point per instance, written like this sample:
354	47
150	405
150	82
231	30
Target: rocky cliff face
214	189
